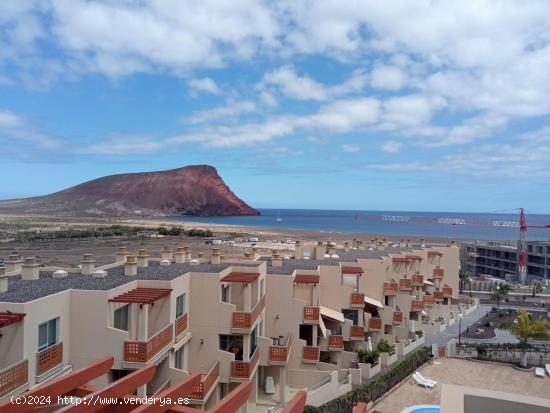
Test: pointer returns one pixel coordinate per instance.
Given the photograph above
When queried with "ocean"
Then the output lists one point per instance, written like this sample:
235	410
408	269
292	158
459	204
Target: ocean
473	226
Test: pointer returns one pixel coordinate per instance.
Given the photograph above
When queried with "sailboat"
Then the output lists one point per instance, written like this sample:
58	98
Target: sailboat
279	219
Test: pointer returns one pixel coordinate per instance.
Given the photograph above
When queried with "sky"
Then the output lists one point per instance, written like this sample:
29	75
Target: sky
371	105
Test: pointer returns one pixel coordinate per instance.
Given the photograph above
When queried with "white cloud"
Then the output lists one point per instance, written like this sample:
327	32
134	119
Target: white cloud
401	167
388	77
205	84
301	87
350	147
392	147
17	131
230	110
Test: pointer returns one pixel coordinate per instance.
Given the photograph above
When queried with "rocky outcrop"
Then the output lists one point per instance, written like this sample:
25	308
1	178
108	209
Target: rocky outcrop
192	190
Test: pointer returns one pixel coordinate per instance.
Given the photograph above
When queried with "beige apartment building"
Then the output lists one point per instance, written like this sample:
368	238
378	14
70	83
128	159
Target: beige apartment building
283	323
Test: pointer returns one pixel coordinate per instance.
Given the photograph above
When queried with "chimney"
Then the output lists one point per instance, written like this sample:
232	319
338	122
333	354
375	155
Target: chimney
276	260
180	255
142	258
298	251
87	264
380	246
187	251
421	241
408	243
320	250
13	262
30	270
168	253
121	254
346	246
402	243
3	280
331	248
360	246
130	267
200	256
216	257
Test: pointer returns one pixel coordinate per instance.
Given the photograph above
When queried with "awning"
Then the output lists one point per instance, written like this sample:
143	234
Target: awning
323	328
141	295
352	270
241	277
306	278
330	313
428	282
373	302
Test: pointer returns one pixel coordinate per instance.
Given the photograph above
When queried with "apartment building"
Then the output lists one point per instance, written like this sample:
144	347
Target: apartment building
500	259
281	323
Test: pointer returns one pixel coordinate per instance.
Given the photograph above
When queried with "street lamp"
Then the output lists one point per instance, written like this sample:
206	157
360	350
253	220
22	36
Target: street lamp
459	326
498	296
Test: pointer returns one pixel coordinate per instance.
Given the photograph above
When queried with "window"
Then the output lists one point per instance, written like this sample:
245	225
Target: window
47	334
253	341
262	288
180	305
120	319
225	293
178	362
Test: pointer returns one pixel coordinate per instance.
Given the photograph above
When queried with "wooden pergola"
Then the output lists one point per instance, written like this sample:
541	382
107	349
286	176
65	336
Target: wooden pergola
8	318
141	295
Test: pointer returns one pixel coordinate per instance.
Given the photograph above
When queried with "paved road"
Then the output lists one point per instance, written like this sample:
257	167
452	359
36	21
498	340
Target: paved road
452	332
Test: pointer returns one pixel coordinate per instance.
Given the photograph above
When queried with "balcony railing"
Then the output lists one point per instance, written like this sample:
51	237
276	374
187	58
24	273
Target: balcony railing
417	305
136	351
311	313
244	369
375	323
438	296
311	353
439	273
207	382
405	284
357	300
447	291
336	342
243	319
357	332
418	280
428	299
13	377
280	353
49	358
397	317
181	324
390	288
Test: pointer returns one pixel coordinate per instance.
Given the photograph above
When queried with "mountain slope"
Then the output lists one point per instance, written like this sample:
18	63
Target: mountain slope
191	190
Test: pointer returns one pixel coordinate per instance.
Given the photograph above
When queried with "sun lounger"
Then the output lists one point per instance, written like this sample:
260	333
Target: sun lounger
422	382
427	380
548	369
539	372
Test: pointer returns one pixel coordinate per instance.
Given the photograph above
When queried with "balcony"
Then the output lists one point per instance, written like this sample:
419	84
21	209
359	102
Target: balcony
439	273
244	369
390	288
245	320
49	358
311	315
438	296
336	342
428	300
180	325
447	292
417	305
357	333
357	300
375	323
405	284
280	354
310	354
13	377
136	351
397	317
208	380
417	280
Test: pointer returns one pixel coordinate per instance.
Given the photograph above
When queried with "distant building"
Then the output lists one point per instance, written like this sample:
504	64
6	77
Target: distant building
500	259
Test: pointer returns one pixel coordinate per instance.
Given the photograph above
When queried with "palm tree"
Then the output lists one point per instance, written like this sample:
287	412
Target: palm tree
501	291
524	329
464	278
536	288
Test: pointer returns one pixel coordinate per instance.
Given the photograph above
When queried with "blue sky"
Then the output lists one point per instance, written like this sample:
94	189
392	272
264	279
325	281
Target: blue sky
427	105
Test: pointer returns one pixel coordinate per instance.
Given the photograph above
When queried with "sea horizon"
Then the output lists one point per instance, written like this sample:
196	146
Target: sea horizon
451	225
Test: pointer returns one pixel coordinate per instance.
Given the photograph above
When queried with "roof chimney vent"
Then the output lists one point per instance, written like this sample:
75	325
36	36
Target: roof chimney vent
276	260
14	262
30	270
121	254
180	255
3	280
216	257
87	265
142	258
168	253
130	267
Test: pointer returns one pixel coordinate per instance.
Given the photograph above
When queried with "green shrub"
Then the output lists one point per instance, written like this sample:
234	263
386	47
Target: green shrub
384	346
366	356
419	333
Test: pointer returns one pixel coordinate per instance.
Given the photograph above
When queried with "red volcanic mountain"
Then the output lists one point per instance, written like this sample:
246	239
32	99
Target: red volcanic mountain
192	190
